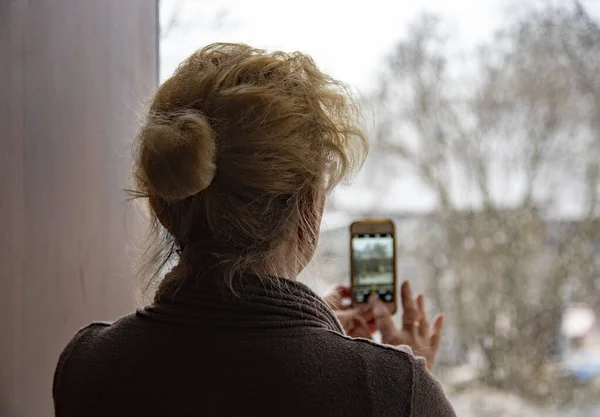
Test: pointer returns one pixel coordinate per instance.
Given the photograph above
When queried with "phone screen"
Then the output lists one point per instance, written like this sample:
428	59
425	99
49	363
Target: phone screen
373	264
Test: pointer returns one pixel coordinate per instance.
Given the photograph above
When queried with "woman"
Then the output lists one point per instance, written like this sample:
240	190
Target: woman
235	158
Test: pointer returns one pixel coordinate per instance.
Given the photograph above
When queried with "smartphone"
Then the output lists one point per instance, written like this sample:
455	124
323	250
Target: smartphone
373	262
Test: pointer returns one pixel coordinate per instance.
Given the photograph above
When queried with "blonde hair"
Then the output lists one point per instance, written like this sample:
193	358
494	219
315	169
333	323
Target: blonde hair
231	157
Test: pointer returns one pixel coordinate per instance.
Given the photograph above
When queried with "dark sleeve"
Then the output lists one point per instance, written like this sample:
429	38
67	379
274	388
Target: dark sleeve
58	382
428	398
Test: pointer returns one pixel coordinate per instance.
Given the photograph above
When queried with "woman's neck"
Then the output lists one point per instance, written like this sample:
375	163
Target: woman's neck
286	261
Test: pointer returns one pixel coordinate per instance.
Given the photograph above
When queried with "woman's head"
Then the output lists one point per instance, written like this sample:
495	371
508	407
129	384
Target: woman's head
236	154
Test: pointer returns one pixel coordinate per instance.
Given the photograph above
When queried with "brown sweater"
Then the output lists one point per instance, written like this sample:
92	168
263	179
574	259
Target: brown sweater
274	349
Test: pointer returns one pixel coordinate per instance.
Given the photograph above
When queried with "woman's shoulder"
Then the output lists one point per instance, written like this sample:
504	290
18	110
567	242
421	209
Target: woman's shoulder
385	373
84	339
87	335
83	334
397	358
396	374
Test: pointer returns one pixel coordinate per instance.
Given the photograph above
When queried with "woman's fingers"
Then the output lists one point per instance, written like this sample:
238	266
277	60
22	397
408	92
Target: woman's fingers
361	328
436	333
345	318
354	323
424	323
344	291
410	315
423	337
383	319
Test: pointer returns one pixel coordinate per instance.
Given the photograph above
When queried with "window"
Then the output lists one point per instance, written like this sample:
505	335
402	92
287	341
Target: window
485	151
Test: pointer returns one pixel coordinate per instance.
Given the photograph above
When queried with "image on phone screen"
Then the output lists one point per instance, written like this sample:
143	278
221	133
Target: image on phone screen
373	258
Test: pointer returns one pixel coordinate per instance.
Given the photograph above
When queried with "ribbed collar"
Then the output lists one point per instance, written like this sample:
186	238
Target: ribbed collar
260	303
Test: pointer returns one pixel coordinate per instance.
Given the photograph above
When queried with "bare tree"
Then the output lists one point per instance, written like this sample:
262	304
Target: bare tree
503	147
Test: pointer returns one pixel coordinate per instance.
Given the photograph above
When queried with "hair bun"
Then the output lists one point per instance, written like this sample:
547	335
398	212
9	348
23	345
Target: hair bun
178	157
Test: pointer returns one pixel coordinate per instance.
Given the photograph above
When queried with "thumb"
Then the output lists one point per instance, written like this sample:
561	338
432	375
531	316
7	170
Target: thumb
383	319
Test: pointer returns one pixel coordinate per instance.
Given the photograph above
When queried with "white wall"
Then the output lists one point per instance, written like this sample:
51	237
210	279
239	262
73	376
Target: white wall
72	77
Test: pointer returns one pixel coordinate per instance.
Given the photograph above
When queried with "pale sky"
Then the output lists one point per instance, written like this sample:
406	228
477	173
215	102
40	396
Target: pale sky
347	39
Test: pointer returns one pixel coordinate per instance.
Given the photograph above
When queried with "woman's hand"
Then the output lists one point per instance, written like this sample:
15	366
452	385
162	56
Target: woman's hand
416	331
355	321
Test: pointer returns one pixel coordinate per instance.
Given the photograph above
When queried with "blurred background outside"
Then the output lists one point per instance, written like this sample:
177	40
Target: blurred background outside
484	119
